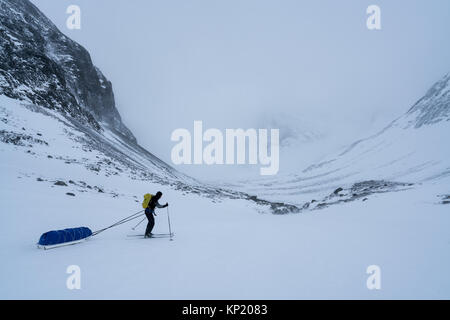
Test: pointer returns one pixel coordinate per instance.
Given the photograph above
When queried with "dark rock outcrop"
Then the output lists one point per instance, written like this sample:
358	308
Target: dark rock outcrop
41	65
433	107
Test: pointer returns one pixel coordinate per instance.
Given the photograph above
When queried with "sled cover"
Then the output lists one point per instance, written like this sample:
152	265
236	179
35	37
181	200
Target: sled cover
63	236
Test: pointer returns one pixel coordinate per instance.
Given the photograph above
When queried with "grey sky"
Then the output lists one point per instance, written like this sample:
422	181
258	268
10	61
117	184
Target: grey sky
232	63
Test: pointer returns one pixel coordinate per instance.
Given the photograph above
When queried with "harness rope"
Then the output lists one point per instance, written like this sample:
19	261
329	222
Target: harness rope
118	223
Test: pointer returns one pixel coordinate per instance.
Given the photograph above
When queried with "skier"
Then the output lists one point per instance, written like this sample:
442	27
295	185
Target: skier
150	211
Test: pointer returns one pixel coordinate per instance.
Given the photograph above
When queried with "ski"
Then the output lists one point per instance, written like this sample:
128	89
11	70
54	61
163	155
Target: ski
155	235
159	237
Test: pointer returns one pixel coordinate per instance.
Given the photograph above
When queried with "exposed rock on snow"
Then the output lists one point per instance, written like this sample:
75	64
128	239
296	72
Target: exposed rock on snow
361	191
275	207
433	107
445	199
19	139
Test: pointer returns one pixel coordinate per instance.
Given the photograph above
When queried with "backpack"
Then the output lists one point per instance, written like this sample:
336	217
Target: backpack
147	198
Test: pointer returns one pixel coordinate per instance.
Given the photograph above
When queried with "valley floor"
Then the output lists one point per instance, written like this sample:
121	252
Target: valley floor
222	250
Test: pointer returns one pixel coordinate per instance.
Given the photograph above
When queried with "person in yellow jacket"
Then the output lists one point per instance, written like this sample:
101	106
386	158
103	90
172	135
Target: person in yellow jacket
150	212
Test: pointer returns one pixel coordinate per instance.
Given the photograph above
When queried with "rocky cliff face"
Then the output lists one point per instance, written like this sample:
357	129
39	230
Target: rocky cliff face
41	65
433	107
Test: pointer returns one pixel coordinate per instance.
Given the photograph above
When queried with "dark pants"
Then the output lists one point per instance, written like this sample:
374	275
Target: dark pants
151	222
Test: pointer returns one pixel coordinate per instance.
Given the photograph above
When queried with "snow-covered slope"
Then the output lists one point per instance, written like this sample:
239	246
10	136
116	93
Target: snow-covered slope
433	108
222	249
410	150
42	67
50	74
50	139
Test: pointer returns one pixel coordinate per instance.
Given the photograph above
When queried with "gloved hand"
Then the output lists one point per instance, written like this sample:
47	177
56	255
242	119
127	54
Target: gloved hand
166	205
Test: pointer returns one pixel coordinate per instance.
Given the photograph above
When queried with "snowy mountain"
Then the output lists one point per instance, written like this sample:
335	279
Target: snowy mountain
290	132
41	65
48	73
410	150
44	71
433	108
67	160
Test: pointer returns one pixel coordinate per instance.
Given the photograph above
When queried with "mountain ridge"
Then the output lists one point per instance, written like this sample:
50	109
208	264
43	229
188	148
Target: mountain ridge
45	69
409	149
40	64
434	106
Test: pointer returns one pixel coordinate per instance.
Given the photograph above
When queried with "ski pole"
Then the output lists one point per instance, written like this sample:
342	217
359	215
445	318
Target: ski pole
168	220
138	224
